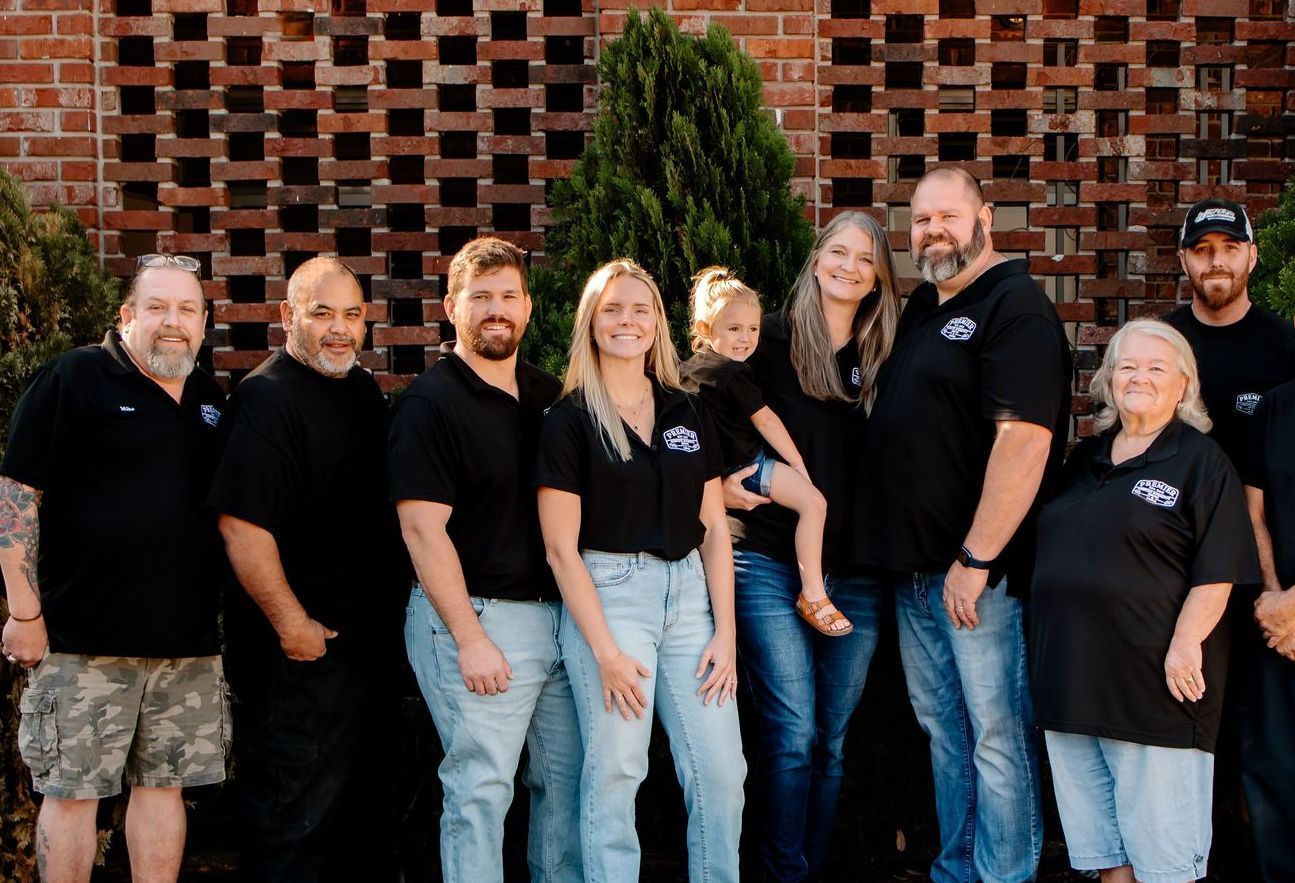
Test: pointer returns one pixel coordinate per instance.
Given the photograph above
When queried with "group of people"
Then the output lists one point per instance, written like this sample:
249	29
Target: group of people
635	540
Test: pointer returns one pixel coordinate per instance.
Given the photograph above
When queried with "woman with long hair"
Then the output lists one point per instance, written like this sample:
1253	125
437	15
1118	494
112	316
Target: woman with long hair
817	366
634	528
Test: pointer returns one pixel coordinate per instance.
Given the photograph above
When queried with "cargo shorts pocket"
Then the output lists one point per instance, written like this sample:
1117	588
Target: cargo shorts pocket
226	718
37	732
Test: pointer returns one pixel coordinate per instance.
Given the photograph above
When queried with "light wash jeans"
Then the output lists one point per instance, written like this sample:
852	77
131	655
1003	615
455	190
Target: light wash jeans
483	738
971	693
659	613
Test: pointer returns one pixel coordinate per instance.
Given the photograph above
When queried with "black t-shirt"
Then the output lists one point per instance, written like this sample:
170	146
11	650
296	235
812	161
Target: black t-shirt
727	387
650	503
994	351
1270	466
1118	552
305	458
129	560
825	432
1238	363
456	439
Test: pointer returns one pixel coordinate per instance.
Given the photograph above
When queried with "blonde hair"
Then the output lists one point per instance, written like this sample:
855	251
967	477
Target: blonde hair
1191	410
713	289
584	375
875	320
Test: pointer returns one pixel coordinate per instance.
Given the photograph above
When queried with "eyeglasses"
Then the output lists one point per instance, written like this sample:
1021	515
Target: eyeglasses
181	261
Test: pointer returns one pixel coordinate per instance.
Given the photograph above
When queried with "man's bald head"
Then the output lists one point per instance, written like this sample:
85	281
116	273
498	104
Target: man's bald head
975	195
307	279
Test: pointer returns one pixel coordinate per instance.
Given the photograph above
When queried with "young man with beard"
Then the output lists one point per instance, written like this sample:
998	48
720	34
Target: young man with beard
1243	351
971	418
102	486
312	540
482	628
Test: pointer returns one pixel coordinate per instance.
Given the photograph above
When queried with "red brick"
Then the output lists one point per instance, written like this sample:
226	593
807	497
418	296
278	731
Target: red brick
25	25
26	73
59	146
759	47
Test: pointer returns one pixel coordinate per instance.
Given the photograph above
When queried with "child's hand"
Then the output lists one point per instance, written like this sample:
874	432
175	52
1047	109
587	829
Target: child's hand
804	473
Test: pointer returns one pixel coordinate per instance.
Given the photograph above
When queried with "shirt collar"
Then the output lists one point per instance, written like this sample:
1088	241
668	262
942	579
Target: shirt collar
115	347
522	371
1165	445
974	292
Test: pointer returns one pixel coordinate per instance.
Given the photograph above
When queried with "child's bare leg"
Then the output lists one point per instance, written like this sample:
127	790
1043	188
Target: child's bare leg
790	489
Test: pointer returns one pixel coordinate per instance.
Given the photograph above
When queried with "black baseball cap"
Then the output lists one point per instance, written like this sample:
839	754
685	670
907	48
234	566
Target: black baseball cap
1215	216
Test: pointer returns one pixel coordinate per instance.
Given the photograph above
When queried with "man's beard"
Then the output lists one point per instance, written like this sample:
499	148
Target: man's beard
494	348
1221	290
936	270
319	358
169	364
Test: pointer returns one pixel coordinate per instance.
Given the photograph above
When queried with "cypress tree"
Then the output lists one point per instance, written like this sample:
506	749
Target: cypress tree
1273	282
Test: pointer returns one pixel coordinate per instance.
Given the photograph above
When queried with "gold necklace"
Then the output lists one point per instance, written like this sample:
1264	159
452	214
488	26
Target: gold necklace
637	412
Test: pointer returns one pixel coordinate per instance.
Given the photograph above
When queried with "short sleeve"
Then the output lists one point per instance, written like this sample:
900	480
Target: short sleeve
1255	452
41	422
1225	545
255	477
1021	367
710	445
563	450
743	392
421	453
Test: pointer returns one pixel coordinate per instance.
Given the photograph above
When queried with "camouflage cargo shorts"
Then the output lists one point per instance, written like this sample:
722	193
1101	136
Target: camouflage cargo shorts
87	720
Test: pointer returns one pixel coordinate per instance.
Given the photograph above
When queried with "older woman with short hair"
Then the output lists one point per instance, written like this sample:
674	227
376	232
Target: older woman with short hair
1136	557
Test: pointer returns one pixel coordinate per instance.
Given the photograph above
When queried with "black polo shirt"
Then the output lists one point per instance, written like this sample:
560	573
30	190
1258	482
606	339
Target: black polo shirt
458	440
1118	552
994	351
305	458
1270	466
1238	363
825	432
728	389
650	503
129	559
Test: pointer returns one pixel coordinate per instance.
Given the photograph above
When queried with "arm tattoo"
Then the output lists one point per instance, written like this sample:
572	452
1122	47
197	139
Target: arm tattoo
20	525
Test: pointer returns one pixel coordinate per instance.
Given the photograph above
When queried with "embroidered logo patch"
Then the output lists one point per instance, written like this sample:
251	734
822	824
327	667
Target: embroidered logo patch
1157	493
681	439
1248	401
1216	213
854	376
960	328
210	414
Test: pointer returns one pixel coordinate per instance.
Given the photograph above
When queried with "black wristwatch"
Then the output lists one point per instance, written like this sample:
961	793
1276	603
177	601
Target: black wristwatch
966	559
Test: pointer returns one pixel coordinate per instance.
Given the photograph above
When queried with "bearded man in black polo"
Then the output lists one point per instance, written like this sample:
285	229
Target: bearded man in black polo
971	416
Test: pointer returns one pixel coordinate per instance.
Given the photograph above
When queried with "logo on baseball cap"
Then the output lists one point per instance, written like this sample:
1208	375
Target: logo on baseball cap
1215	216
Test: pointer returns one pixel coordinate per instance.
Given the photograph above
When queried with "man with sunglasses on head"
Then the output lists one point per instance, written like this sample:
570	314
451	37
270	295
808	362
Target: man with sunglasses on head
110	563
302	503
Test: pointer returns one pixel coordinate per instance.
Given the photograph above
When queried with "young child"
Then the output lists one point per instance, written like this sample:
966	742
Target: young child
725	331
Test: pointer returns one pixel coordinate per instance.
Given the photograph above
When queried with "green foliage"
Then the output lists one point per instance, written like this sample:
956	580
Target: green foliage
548	336
1273	282
685	169
53	295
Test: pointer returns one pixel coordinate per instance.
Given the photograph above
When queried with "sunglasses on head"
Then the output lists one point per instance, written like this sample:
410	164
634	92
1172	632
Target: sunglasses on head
180	261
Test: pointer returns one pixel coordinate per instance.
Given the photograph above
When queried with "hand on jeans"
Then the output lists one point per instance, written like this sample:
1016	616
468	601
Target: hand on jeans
721	655
963	586
1183	670
1275	614
620	679
305	640
1285	646
738	497
483	666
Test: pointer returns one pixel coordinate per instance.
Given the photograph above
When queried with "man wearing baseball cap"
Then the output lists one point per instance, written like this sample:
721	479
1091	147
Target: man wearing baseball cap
1242	351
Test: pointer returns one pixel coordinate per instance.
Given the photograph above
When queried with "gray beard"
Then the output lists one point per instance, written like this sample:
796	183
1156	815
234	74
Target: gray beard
941	269
169	366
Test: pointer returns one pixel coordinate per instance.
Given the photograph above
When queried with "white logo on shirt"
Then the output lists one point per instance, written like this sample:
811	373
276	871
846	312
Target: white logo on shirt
1157	493
210	414
681	439
1248	401
960	328
126	409
854	376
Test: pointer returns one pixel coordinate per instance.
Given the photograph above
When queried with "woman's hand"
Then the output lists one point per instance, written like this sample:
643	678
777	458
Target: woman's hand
738	497
721	655
1183	670
620	678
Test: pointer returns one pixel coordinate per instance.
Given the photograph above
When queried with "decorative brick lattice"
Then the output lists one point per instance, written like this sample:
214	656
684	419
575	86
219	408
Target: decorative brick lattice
391	131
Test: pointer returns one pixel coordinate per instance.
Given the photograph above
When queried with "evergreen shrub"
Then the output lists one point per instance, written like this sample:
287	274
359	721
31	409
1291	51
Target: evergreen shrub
1273	282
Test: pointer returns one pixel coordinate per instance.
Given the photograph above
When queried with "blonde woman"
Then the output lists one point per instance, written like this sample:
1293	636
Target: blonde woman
634	528
1136	558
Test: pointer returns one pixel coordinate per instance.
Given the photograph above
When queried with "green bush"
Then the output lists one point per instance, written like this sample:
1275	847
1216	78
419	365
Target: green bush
685	169
1273	282
53	296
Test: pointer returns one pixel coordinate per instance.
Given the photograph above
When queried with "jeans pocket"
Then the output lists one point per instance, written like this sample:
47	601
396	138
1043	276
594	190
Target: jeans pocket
696	565
609	570
37	732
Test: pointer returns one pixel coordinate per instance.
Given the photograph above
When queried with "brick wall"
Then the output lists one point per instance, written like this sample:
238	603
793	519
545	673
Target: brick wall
255	135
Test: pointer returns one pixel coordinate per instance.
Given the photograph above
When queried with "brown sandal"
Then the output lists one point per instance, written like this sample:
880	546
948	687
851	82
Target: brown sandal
808	611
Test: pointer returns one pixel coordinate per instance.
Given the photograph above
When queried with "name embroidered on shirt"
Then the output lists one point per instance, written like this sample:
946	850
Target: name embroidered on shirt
210	414
1157	493
960	328
1248	401
681	439
126	409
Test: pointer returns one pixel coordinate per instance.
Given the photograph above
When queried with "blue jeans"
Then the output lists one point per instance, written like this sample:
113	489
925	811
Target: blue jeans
970	690
659	613
1268	761
805	686
483	738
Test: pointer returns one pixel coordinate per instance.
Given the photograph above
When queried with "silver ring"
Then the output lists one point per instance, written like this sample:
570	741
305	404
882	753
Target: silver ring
960	608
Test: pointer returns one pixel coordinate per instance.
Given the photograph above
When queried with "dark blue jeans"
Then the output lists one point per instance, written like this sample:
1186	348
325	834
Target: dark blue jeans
1268	762
804	687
